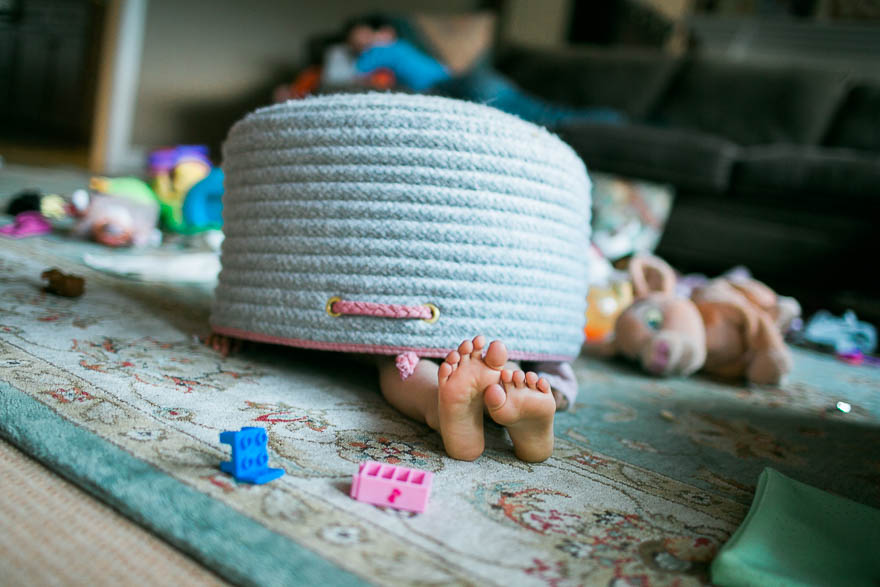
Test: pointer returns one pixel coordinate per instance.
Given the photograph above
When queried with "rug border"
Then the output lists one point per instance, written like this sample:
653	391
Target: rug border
204	528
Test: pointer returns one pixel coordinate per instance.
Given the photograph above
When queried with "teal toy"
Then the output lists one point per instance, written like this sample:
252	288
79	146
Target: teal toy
203	205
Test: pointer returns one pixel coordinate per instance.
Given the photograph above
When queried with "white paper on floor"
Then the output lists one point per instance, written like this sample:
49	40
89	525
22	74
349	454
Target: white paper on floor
185	267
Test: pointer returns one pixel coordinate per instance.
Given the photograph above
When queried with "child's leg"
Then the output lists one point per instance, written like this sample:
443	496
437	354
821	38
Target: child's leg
523	404
416	396
449	398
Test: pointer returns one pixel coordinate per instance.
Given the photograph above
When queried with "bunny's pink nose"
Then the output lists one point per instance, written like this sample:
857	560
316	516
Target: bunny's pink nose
659	357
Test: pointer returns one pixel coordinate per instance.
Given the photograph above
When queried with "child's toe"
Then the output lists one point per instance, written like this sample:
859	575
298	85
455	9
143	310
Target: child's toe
444	372
494	397
531	379
496	355
543	385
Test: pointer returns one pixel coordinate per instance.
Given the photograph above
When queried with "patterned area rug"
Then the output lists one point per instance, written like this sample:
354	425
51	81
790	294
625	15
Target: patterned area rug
648	478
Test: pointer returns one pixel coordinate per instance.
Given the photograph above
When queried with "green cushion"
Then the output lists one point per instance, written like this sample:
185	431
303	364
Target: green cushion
795	534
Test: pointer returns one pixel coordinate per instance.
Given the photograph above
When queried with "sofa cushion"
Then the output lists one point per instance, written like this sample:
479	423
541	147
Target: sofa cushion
626	80
857	122
842	180
751	104
791	245
686	159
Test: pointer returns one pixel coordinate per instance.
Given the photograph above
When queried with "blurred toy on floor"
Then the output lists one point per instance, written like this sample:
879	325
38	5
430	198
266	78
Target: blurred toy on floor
30	223
203	205
117	212
610	293
173	172
32	210
845	335
729	327
49	205
24	201
604	304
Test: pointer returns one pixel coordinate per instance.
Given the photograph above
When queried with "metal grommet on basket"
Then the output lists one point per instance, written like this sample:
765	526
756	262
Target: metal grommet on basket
435	314
329	306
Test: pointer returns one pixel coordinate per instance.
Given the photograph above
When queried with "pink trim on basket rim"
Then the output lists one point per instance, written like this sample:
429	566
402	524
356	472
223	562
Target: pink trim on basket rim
372	349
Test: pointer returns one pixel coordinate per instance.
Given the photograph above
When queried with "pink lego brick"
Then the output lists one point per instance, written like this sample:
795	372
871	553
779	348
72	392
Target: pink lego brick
395	487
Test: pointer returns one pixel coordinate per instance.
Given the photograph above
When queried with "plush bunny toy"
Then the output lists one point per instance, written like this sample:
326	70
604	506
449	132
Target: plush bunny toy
731	326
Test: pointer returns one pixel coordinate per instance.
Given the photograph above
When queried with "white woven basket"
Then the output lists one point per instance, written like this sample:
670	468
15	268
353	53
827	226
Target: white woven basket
455	218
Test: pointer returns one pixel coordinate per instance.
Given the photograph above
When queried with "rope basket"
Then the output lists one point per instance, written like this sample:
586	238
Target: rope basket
385	223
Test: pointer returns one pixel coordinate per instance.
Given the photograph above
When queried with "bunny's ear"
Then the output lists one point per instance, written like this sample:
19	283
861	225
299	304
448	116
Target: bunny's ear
651	274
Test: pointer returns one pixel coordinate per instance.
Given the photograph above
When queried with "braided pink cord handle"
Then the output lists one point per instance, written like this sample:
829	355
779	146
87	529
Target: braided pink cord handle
338	307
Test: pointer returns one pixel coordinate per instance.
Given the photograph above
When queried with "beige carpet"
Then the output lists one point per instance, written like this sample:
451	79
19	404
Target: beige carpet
56	534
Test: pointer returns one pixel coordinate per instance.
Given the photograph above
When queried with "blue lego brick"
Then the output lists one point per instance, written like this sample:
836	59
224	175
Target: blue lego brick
249	456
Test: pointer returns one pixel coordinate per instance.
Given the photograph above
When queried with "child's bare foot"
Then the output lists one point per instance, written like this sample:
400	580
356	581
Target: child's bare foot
462	378
223	344
523	404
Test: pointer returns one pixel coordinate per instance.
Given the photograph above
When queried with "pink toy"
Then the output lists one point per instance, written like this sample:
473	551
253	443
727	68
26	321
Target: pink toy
406	364
29	223
396	487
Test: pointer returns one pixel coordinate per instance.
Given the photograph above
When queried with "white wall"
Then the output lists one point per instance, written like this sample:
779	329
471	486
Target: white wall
205	60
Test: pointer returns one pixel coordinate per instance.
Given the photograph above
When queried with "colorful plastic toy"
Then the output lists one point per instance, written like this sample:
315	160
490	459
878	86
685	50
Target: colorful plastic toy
249	457
116	212
27	224
131	188
203	205
118	221
401	488
604	304
844	334
49	205
173	171
24	201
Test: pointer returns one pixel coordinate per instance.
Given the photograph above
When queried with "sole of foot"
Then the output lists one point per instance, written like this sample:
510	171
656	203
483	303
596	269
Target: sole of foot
462	379
523	403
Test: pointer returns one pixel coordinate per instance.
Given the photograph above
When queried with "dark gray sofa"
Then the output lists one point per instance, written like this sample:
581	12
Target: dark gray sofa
774	168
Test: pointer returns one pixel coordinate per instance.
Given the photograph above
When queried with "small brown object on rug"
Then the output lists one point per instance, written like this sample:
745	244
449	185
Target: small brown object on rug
61	284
